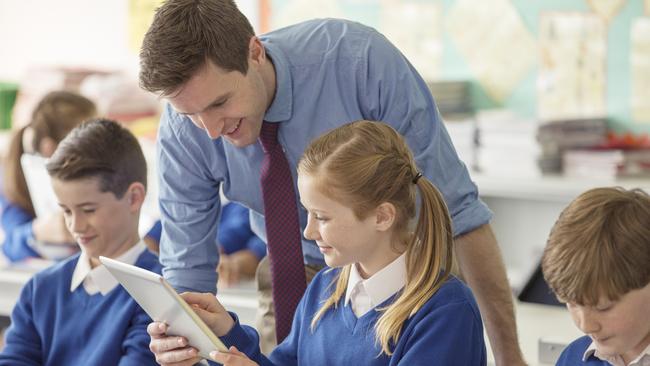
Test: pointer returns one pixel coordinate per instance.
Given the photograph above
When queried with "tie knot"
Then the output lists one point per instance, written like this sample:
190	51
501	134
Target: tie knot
269	135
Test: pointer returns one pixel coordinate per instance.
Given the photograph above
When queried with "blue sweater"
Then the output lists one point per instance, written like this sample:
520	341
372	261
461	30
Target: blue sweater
572	355
17	227
447	330
53	326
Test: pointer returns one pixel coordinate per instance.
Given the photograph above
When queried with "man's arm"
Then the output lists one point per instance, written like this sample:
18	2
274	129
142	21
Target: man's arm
482	267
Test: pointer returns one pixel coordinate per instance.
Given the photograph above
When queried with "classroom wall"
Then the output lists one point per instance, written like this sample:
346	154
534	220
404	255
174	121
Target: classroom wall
430	18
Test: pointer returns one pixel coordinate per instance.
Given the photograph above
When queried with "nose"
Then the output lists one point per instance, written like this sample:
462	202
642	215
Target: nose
587	322
310	231
211	124
77	224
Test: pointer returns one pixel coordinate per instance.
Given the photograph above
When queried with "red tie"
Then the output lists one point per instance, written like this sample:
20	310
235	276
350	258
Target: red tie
282	231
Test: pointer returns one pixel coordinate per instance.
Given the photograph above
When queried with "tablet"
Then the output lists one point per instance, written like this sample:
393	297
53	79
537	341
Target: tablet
163	304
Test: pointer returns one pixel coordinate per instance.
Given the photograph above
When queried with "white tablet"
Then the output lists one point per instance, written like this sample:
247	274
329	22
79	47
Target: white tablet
163	304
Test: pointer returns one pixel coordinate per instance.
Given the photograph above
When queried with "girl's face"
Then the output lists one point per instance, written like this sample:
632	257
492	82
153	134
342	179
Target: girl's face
341	236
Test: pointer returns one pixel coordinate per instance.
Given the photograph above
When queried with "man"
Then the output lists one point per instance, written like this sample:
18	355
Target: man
222	82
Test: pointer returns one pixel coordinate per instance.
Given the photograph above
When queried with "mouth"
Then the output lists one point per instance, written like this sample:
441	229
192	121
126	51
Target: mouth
601	339
85	239
233	129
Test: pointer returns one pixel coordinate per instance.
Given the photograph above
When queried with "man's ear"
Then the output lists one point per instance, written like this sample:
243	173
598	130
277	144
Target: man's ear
256	51
135	196
385	215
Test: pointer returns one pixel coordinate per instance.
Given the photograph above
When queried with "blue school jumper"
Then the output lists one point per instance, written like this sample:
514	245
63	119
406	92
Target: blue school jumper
572	355
447	330
52	326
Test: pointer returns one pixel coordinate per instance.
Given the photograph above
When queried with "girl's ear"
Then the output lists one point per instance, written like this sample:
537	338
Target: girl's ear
385	214
135	195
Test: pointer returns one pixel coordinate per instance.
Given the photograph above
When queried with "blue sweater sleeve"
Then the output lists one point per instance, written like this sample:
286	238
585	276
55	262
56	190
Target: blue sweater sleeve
22	341
135	345
235	232
17	227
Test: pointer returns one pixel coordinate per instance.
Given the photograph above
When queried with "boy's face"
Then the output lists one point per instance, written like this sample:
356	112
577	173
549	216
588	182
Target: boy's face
100	223
617	328
226	104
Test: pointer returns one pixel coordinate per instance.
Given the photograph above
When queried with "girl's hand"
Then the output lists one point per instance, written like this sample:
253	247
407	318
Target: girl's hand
208	308
170	350
232	358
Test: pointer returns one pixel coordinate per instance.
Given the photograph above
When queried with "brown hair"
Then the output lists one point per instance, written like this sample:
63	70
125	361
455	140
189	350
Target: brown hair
101	149
362	165
599	246
54	116
187	33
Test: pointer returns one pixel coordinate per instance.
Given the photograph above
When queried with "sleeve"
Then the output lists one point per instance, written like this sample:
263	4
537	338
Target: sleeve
17	227
189	205
449	335
257	246
155	232
235	231
135	346
392	91
22	342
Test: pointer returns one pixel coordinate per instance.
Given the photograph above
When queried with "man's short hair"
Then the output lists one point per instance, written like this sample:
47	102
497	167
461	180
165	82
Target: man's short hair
100	149
600	246
185	34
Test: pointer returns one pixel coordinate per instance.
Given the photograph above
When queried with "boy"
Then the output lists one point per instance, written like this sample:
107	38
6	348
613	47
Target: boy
597	260
75	313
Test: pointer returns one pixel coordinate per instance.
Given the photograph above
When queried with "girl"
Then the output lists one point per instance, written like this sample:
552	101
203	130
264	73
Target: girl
389	297
54	116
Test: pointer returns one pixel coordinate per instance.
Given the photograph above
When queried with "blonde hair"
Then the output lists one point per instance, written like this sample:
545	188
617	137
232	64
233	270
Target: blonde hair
364	164
599	246
54	116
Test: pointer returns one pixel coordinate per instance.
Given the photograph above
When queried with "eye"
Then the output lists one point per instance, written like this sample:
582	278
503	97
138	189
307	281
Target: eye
218	104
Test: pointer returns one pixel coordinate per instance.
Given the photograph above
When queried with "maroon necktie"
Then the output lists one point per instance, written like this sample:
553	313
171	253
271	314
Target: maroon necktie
282	231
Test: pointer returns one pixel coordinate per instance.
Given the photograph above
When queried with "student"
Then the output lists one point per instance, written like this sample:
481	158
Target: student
222	82
54	116
75	312
389	297
597	261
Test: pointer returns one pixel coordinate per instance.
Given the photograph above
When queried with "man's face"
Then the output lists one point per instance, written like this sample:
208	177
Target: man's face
227	104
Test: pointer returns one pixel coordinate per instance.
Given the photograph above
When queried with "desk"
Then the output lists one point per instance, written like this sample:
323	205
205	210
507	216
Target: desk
536	321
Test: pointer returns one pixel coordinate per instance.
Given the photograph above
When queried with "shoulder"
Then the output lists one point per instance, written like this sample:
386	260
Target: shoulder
572	354
453	293
55	274
322	285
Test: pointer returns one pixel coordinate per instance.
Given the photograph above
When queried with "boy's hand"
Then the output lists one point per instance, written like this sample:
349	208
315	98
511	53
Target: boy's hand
170	350
233	358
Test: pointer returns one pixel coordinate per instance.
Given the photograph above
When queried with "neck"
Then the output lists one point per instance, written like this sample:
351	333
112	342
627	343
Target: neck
94	261
636	351
269	79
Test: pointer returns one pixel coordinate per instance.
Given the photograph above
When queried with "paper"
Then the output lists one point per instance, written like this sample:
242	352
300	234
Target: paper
414	28
640	69
571	79
606	9
494	41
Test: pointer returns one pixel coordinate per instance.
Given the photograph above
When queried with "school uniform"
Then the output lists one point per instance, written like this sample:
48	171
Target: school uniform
583	351
17	227
447	330
70	314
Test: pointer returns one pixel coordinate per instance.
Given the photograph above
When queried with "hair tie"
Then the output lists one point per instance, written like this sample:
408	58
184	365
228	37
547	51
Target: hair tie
417	176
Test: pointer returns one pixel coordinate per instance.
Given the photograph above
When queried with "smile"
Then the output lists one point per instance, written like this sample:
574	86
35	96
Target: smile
234	128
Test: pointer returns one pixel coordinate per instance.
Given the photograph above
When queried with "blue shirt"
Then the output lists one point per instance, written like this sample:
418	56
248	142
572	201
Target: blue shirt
50	325
574	352
328	73
447	330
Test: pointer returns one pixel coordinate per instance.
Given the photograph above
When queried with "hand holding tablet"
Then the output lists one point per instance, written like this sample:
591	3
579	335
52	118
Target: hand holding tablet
163	304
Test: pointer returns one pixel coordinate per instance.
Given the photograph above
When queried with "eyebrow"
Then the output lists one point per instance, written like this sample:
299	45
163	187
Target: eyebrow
80	204
219	99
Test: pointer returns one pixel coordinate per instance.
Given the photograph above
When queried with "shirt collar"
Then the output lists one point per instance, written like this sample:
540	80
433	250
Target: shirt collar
282	105
382	284
615	360
99	276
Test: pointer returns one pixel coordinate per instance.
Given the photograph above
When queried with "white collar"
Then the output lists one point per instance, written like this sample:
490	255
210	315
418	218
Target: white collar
380	286
617	359
98	279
